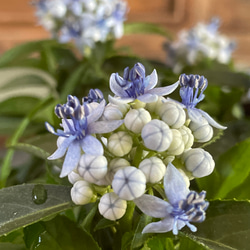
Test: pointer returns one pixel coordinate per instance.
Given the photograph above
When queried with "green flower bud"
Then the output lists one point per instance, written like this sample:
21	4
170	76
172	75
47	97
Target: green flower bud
135	119
120	143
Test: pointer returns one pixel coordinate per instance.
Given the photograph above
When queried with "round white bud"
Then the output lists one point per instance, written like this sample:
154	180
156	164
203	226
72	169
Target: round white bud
120	143
112	207
114	166
199	162
153	168
187	136
111	112
157	135
92	168
74	176
202	131
129	183
173	114
81	192
135	119
177	145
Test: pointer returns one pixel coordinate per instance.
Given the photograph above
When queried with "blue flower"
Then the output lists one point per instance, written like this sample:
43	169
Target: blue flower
184	206
79	122
191	92
136	85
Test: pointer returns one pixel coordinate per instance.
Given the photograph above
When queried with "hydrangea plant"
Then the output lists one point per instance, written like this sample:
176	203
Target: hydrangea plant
150	147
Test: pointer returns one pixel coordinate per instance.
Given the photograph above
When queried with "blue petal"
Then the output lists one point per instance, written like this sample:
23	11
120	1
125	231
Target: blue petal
210	120
119	100
96	113
115	87
174	185
162	226
151	80
164	90
148	98
102	127
62	148
72	158
153	206
90	145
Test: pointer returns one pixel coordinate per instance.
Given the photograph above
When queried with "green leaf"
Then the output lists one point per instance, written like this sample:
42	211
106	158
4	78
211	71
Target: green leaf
18	208
59	233
145	28
191	243
231	170
19	52
140	238
226	227
104	223
161	242
19	81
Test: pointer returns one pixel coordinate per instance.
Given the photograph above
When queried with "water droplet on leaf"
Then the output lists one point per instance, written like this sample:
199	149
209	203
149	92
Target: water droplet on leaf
39	194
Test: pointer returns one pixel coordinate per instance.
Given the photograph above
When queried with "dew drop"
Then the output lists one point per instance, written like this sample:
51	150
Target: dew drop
39	194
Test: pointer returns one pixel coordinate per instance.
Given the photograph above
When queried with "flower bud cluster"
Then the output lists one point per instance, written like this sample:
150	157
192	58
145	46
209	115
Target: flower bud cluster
138	152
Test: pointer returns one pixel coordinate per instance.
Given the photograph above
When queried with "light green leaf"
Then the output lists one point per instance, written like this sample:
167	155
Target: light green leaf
146	28
18	81
18	207
226	227
161	242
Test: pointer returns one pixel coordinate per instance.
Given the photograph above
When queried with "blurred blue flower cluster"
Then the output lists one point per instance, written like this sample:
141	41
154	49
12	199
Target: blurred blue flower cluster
82	21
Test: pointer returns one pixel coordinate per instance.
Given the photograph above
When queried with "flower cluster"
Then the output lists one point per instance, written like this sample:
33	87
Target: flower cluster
82	21
139	142
201	42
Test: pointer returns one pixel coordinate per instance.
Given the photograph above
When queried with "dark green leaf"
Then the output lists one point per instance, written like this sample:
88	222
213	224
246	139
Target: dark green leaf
18	208
160	242
59	233
227	226
191	243
104	223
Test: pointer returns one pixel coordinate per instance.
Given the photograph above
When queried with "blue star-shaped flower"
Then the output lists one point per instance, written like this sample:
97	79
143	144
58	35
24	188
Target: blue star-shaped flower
191	92
136	85
183	206
77	132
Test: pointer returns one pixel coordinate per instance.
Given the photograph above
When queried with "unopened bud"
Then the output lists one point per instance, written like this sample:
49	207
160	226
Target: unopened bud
129	183
135	119
153	168
120	143
199	162
81	192
187	136
177	145
112	207
157	135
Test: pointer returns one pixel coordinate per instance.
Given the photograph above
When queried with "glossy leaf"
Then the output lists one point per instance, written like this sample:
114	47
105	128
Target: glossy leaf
59	233
227	226
160	242
18	208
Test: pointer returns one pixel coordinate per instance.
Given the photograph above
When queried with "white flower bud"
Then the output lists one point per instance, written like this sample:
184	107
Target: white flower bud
111	112
187	136
153	168
202	131
177	145
120	143
81	192
153	107
114	166
74	176
157	135
173	114
135	119
112	207
92	168
129	183
199	162
138	104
